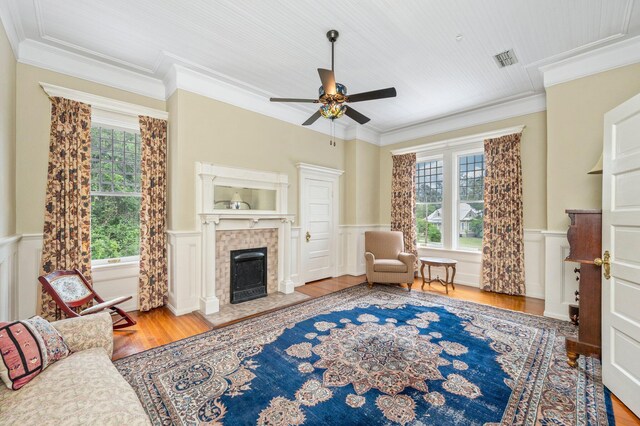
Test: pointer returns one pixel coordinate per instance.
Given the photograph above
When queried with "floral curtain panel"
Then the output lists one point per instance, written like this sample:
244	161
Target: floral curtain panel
503	240
153	214
403	200
67	219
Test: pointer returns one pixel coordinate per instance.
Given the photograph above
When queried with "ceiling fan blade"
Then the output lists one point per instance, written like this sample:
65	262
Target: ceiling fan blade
328	81
312	119
309	101
374	94
355	115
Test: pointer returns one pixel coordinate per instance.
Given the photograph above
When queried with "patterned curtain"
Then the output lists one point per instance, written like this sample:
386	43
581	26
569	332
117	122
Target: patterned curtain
503	240
153	214
67	217
403	200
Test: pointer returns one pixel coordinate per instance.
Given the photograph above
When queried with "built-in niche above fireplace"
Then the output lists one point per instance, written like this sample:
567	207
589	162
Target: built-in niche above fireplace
248	274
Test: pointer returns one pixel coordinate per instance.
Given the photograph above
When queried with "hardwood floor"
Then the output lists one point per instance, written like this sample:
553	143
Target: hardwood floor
160	326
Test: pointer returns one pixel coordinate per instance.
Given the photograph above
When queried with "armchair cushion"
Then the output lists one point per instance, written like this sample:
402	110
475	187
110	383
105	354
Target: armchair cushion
389	265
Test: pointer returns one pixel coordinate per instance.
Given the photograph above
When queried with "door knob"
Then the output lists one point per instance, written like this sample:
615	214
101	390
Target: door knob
605	263
308	236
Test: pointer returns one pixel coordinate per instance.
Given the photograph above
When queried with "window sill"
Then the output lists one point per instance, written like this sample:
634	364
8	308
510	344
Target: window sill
453	251
112	266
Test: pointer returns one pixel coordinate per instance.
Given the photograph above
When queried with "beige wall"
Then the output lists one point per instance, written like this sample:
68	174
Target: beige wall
362	183
533	152
574	132
7	137
33	116
202	129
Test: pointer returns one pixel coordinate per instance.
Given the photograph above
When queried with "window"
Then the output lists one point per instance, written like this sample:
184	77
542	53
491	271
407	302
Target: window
470	201
115	194
429	202
450	197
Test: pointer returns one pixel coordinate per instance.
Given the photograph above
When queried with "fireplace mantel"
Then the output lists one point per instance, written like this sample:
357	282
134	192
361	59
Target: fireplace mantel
212	220
242	219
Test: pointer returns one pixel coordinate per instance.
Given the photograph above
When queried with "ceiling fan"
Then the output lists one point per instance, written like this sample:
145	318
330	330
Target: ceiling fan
333	96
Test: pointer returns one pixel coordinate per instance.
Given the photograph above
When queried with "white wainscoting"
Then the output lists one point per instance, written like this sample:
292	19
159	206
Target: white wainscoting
185	271
29	255
560	278
351	248
469	266
9	278
534	263
119	279
295	256
109	281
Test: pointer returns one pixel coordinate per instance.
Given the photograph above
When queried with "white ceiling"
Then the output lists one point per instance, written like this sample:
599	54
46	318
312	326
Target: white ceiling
272	48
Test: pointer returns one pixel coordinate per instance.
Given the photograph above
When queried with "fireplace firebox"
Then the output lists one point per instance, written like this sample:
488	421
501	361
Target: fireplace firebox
248	274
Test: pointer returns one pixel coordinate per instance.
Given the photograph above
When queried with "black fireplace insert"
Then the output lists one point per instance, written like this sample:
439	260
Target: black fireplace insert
248	274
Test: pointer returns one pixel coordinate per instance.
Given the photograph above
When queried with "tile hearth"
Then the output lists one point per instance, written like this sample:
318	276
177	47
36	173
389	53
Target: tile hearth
233	312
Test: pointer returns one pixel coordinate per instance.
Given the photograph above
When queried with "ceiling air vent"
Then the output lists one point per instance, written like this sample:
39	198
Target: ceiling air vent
506	58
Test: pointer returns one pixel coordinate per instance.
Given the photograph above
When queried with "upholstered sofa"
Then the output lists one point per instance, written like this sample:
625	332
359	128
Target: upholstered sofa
386	260
83	389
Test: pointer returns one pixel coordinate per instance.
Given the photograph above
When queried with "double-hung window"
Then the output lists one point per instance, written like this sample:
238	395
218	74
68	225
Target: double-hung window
450	197
115	194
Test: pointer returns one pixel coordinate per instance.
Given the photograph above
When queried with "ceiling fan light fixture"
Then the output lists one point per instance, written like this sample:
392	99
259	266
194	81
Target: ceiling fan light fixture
333	110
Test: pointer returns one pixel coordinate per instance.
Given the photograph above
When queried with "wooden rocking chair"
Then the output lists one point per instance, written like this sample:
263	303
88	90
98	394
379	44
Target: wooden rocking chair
70	290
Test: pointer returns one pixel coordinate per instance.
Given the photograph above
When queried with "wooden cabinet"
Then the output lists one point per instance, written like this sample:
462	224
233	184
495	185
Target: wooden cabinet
585	245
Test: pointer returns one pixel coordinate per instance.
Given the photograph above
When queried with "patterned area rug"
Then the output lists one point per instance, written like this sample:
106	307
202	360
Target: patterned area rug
379	356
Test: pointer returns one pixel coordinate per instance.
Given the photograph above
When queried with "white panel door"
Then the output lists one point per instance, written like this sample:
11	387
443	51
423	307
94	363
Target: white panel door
317	256
621	237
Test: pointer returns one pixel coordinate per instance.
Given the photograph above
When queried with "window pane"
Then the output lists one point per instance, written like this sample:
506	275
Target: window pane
115	226
471	177
115	158
429	202
470	225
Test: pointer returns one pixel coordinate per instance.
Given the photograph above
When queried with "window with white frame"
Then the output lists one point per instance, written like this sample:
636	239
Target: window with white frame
115	194
429	192
450	197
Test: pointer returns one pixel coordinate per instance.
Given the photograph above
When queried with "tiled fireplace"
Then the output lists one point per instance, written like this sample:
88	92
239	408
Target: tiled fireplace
232	241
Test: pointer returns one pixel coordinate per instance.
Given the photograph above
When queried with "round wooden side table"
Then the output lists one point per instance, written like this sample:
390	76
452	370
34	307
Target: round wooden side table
438	262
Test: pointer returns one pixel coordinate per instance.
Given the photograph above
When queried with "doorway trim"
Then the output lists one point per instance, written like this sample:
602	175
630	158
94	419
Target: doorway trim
312	171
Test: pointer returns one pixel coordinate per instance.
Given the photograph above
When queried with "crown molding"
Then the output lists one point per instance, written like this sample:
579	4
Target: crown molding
616	55
362	133
52	58
489	114
180	77
12	25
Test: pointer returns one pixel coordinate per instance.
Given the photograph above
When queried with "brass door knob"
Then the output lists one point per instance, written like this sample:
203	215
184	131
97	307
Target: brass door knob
605	263
308	236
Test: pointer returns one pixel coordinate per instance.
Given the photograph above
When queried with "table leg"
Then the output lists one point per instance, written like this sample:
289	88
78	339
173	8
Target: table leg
446	279
422	274
429	268
453	276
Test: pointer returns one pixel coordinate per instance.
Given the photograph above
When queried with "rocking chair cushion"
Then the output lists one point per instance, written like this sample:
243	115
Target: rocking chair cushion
104	305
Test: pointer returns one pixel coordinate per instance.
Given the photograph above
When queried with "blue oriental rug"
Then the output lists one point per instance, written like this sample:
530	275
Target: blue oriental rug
378	356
